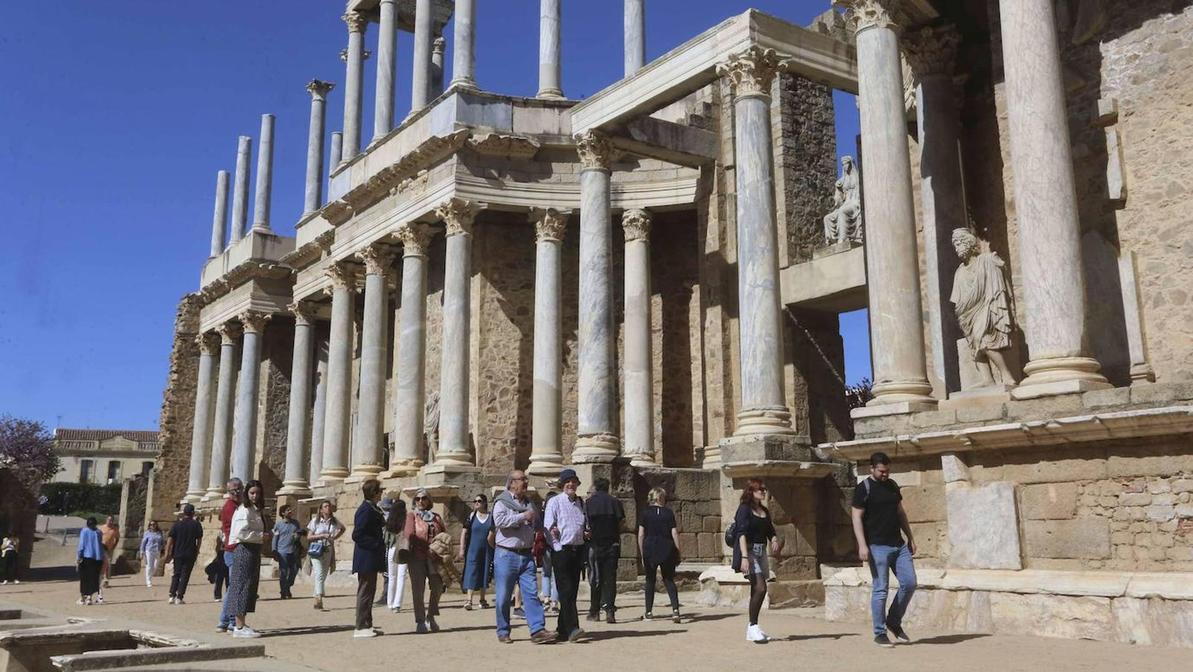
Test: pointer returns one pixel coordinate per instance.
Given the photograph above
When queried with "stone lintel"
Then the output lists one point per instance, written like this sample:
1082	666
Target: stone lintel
1057	388
897	408
981	396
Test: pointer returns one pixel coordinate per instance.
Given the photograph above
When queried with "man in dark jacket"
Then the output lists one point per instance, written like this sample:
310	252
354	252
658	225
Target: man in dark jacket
182	548
368	558
605	515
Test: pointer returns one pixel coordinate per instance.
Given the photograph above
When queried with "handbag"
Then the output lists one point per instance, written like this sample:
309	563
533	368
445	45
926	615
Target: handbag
317	548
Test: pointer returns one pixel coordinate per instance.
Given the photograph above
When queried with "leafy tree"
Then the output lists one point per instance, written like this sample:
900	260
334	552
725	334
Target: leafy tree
27	449
857	395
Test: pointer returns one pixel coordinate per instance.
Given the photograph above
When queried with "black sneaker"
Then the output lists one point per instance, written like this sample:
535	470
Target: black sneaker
883	641
899	634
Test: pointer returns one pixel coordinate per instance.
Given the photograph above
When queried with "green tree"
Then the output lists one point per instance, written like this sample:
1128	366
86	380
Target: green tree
27	450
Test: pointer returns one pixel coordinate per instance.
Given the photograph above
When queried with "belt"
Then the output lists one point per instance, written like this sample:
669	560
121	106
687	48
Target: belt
519	551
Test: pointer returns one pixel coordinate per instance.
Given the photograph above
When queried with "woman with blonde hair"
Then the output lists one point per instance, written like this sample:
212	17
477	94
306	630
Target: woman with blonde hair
322	532
658	546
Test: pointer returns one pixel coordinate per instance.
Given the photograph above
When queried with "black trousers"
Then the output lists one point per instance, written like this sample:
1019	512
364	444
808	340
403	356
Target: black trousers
566	565
604	559
181	577
366	590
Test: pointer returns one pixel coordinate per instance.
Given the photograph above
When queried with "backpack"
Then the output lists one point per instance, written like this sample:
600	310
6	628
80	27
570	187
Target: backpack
866	487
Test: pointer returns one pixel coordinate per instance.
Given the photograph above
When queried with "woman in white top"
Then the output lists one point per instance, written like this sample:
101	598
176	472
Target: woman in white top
248	532
150	552
322	533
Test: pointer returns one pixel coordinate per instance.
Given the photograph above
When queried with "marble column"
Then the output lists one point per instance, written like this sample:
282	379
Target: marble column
368	445
338	411
244	423
313	195
219	220
463	46
420	87
438	47
763	401
298	421
240	193
597	439
546	449
225	397
387	45
932	52
264	176
353	84
454	439
1045	205
319	412
549	50
337	148
635	36
892	266
410	389
639	379
204	404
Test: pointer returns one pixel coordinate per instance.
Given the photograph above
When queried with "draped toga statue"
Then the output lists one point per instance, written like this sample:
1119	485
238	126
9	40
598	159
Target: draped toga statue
845	221
982	300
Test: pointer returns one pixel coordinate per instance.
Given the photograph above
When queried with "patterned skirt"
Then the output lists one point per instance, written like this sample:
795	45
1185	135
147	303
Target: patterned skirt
243	579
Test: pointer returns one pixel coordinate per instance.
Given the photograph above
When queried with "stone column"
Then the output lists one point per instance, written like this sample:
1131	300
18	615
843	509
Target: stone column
763	401
295	481
1045	204
244	426
639	382
318	414
204	403
454	444
597	439
240	193
420	87
931	52
219	220
410	389
387	44
337	148
892	267
353	83
370	414
438	47
264	175
313	196
338	412
549	79
546	450
225	396
464	42
635	36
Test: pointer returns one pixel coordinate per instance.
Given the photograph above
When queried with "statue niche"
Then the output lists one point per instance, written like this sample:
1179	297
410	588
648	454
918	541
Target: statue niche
844	223
982	302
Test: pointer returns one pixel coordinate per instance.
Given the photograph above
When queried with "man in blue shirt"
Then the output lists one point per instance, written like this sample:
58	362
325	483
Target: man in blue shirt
285	549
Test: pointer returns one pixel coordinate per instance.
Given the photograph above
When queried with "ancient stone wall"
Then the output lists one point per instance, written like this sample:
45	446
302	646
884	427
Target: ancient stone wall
172	465
273	402
804	136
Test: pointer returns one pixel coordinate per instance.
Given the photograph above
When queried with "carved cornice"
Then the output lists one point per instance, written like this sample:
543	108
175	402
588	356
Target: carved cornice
208	342
304	312
229	332
310	252
253	321
863	14
752	71
503	145
931	50
636	224
457	214
319	88
249	270
341	275
595	150
415	238
385	181
338	212
378	258
357	23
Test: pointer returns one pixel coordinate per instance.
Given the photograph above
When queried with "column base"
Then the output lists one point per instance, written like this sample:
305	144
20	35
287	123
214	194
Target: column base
1059	375
549	464
193	497
213	494
642	461
466	84
905	391
401	468
596	448
336	475
763	420
297	489
454	459
550	94
363	472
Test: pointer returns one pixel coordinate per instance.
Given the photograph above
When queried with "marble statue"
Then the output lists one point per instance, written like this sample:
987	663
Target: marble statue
981	300
844	223
431	425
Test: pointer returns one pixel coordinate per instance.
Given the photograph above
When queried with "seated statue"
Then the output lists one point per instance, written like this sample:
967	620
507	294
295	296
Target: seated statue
981	300
845	221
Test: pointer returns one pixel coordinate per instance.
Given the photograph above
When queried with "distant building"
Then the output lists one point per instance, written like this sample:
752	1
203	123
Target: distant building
103	455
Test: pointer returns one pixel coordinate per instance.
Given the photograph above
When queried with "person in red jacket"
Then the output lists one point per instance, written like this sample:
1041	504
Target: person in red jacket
231	502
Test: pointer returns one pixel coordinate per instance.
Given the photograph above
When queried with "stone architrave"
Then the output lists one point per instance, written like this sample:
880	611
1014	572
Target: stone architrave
204	403
370	415
638	432
546	448
353	84
410	385
981	302
298	419
313	192
338	411
221	431
983	526
454	439
845	223
244	428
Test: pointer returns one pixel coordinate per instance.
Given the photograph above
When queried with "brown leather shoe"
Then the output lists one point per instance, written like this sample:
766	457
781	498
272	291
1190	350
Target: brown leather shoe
543	636
504	639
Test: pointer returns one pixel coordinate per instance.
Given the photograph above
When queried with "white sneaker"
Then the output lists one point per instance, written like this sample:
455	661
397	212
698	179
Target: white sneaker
754	634
178	600
171	600
17	581
364	634
4	582
99	599
765	637
245	633
81	602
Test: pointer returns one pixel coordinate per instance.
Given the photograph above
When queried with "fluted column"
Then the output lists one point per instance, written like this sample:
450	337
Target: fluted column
639	382
438	47
318	413
204	404
244	427
420	86
892	266
225	397
635	36
387	44
549	50
219	220
298	421
337	148
338	410
313	196
546	449
410	390
261	201
597	438
1045	205
454	444
353	83
763	402
370	415
463	46
240	190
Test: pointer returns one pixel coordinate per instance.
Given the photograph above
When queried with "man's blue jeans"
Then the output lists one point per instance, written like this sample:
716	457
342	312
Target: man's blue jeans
227	620
883	559
510	568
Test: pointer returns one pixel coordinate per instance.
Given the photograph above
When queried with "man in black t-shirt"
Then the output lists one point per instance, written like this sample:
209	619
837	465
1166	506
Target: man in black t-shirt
879	525
605	515
182	548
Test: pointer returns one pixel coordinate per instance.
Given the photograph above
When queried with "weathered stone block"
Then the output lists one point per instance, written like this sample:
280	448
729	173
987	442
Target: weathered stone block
709	545
1080	538
1160	512
983	528
1182	485
1052	615
924	503
1135	499
982	413
1049	501
711	524
1059	470
1113	396
1161	392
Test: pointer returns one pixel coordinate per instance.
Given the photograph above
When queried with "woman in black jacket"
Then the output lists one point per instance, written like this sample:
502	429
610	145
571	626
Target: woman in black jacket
755	531
368	557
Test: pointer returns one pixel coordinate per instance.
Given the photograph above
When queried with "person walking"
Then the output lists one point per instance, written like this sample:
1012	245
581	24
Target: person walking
322	532
182	548
422	525
249	532
150	551
754	531
232	489
397	554
10	555
110	537
878	520
515	519
90	562
567	530
368	555
548	589
605	515
476	552
286	533
658	546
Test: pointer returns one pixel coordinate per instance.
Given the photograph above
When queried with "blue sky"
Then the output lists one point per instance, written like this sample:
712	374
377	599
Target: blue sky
117	116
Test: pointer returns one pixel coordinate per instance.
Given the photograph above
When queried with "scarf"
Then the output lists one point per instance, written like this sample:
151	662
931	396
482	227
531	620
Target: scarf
514	503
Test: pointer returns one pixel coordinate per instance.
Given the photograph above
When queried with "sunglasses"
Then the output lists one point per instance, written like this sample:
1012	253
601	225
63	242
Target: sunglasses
422	499
478	501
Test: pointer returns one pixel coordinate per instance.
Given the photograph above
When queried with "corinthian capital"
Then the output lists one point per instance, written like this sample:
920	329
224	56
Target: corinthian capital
356	22
229	332
379	259
341	275
752	71
636	224
549	224
209	342
253	321
457	214
319	88
416	238
931	50
595	150
304	312
863	14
